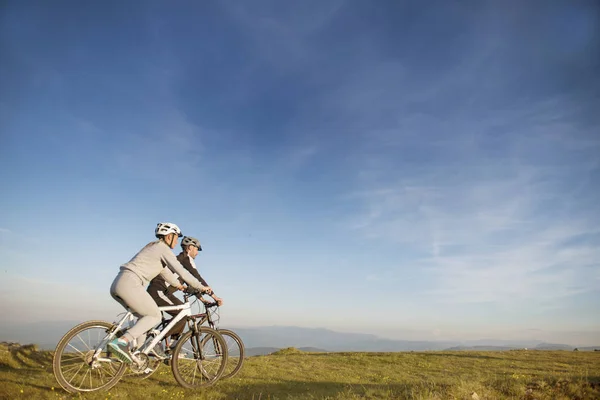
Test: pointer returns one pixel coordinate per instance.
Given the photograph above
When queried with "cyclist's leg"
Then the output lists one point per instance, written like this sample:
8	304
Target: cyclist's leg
164	299
128	289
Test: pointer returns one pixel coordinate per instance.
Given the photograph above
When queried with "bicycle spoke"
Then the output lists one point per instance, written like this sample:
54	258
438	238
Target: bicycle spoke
84	343
76	372
73	361
73	368
101	374
76	349
194	375
83	379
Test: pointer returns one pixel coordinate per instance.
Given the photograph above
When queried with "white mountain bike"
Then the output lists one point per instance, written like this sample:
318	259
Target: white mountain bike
84	363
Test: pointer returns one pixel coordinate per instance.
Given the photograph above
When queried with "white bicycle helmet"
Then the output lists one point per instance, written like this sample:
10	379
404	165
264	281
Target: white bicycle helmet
164	228
190	241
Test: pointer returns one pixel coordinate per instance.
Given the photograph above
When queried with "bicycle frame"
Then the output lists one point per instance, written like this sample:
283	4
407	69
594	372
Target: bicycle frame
206	315
185	313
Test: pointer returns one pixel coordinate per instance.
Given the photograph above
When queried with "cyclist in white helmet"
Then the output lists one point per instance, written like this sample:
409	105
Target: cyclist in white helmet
129	287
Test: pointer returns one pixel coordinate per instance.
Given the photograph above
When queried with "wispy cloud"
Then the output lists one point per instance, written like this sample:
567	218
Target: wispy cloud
281	36
484	168
169	143
499	226
299	156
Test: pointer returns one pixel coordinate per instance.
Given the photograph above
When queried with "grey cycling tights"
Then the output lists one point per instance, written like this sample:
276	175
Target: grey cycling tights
128	289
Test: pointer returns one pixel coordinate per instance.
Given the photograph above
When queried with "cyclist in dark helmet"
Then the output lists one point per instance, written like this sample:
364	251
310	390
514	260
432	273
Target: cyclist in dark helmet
163	292
190	247
129	287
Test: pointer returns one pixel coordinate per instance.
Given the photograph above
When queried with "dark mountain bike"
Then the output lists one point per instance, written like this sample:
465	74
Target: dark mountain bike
209	315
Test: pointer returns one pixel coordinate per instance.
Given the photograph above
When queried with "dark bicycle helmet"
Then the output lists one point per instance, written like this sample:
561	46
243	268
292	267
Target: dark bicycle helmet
190	241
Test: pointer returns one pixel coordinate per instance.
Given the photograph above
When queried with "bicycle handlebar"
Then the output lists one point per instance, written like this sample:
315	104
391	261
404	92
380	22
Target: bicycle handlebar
195	292
189	291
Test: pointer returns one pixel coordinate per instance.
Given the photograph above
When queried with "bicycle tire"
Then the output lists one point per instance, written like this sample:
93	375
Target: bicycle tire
202	337
60	355
233	366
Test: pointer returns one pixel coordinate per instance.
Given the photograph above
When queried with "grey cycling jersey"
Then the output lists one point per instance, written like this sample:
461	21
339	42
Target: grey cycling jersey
152	260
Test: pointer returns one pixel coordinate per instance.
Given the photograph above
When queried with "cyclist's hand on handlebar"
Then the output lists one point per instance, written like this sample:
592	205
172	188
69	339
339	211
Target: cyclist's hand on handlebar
191	290
217	299
181	287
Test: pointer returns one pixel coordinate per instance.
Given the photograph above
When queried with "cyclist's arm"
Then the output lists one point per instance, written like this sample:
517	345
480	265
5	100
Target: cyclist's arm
170	277
176	267
185	261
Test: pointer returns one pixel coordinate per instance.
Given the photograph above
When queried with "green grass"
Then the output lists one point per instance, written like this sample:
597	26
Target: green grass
26	373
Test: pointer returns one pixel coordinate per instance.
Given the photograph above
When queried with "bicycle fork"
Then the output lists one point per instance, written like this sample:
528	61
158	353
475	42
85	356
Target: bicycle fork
197	344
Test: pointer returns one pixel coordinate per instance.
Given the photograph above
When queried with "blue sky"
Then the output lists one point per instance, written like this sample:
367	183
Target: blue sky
416	171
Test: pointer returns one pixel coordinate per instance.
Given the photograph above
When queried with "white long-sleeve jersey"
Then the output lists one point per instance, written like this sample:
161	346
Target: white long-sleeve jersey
152	260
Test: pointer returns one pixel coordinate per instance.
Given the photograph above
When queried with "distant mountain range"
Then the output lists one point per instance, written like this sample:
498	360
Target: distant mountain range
539	346
268	339
261	351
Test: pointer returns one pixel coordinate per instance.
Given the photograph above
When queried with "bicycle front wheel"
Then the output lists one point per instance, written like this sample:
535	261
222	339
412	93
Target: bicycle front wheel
82	362
199	358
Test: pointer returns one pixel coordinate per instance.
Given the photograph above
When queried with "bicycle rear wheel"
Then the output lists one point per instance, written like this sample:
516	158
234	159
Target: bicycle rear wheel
235	353
198	358
82	362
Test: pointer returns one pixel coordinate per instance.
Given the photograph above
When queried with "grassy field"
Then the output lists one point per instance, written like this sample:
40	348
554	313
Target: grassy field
26	373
